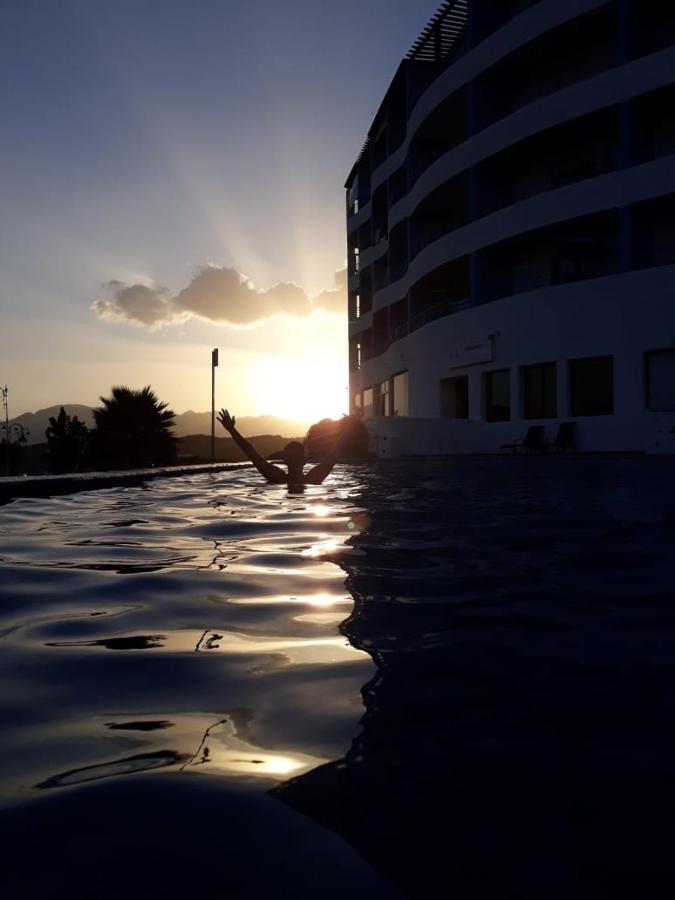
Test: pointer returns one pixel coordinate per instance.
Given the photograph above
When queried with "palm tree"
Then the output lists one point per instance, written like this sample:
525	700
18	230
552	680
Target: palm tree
133	430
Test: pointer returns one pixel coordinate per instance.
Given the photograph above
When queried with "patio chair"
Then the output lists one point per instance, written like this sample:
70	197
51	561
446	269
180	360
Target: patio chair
533	441
564	439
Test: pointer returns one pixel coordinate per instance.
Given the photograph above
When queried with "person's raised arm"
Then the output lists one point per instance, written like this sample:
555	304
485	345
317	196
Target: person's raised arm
324	468
266	469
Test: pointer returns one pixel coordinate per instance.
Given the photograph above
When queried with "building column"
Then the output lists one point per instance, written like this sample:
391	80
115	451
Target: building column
625	148
474	187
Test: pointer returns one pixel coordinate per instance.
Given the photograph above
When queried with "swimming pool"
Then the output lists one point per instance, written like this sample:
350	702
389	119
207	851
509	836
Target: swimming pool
417	679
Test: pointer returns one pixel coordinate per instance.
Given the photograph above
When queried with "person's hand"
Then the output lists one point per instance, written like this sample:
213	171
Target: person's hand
226	420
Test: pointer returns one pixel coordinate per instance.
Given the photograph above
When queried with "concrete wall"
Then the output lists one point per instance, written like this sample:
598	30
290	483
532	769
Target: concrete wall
622	315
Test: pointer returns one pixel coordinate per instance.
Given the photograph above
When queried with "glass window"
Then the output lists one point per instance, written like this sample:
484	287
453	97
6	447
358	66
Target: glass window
382	399
353	197
357	306
592	386
357	256
660	366
497	396
368	403
357	405
400	403
539	391
455	397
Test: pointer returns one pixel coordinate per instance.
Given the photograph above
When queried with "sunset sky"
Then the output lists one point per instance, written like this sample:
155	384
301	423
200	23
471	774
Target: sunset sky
171	181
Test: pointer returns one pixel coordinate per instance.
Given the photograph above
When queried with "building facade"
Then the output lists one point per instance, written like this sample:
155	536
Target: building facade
511	232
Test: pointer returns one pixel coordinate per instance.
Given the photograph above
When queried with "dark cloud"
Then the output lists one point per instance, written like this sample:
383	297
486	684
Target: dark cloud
217	295
149	306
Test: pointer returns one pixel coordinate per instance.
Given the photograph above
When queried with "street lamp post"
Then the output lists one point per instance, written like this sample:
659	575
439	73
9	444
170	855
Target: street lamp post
214	364
16	428
5	404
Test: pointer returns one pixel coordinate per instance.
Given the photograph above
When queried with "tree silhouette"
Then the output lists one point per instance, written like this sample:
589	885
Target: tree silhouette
133	430
67	438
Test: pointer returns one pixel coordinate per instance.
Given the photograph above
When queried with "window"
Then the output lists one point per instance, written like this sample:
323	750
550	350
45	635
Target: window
357	306
357	407
497	396
382	399
539	391
356	259
368	403
592	386
400	403
660	372
455	397
353	197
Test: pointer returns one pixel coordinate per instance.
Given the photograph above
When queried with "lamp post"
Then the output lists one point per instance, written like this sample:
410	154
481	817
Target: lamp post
5	404
214	364
16	428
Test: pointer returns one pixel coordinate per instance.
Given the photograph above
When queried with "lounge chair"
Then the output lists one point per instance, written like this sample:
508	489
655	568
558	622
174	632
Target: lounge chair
533	441
564	439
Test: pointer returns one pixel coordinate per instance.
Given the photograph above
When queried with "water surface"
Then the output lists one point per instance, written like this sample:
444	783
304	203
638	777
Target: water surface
420	679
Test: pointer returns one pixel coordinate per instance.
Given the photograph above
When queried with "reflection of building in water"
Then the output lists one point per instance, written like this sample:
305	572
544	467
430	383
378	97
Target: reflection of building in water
511	232
518	739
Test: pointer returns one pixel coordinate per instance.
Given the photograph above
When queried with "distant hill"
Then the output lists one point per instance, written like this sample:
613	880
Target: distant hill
187	423
37	422
200	423
197	448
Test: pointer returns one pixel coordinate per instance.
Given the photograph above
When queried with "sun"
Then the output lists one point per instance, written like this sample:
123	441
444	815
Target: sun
302	389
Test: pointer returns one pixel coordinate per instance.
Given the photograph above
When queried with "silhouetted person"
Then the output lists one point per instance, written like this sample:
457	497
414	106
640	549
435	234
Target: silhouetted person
293	455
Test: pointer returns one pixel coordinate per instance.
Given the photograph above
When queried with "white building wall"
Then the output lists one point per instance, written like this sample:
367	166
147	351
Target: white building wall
622	316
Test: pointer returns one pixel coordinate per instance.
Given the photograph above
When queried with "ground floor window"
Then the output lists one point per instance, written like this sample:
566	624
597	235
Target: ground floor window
660	372
539	391
368	411
400	401
497	391
592	386
455	397
382	399
357	408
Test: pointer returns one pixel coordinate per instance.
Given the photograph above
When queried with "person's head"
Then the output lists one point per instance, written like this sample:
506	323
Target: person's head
294	455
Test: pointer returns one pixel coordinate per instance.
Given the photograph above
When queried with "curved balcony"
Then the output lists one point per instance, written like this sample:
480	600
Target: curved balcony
594	195
374	252
525	27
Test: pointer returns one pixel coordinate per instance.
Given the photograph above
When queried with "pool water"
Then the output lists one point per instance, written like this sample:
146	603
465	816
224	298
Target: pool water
417	680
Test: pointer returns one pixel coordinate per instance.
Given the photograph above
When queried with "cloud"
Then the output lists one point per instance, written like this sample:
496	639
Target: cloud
138	304
334	300
215	294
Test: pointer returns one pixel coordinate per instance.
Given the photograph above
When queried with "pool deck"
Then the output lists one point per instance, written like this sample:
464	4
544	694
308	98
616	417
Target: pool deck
49	485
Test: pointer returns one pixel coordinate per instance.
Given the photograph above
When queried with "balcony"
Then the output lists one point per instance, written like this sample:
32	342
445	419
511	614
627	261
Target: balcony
494	14
573	151
574	250
510	84
437	311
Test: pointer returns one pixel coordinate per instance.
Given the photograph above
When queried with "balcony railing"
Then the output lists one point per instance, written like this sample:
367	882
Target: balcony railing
437	311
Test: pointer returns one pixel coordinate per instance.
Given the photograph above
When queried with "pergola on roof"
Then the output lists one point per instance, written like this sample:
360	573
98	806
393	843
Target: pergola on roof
436	42
443	31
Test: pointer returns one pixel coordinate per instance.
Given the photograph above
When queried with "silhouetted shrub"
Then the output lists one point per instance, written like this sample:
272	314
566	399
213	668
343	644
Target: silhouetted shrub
67	438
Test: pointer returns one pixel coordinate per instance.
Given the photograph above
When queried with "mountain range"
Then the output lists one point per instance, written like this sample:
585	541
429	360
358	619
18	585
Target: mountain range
187	423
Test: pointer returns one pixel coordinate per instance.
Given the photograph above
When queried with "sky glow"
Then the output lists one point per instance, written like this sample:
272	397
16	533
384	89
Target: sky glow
146	143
